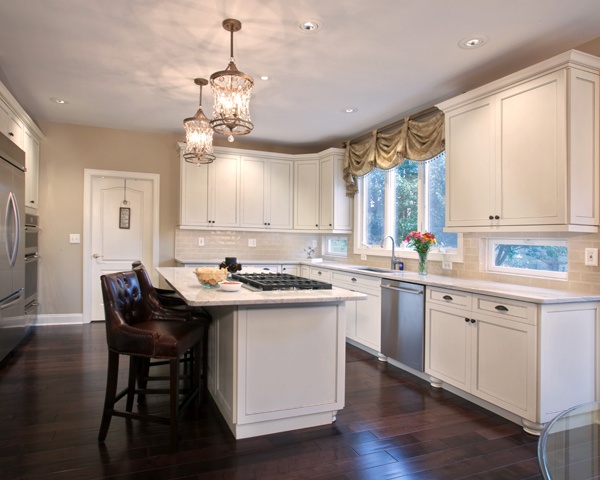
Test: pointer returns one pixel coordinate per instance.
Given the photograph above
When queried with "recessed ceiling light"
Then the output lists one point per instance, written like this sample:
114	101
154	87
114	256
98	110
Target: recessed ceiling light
60	101
264	77
474	41
310	26
349	110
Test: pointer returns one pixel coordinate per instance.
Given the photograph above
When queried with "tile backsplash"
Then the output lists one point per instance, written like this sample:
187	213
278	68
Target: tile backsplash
219	244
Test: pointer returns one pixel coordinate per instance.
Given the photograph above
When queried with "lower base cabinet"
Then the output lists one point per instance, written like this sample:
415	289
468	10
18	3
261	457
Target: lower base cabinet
363	319
534	361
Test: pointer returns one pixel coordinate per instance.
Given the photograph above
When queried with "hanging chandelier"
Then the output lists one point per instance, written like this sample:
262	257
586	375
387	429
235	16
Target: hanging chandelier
231	91
198	134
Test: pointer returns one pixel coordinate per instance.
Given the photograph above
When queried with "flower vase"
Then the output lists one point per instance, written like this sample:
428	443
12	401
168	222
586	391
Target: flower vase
422	263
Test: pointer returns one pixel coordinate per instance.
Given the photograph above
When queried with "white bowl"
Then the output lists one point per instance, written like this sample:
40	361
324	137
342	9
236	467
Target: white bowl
230	286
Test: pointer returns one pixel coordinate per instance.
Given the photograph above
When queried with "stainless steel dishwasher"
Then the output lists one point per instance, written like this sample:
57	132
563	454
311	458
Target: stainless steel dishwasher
403	322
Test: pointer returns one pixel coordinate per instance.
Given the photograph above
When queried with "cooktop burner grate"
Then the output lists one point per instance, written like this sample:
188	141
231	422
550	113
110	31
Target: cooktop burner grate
279	281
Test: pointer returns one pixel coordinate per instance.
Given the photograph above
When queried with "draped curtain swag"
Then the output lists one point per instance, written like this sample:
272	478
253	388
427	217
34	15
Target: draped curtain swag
416	140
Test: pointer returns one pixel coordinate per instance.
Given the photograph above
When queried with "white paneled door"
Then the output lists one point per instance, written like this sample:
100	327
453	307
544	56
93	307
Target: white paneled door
121	227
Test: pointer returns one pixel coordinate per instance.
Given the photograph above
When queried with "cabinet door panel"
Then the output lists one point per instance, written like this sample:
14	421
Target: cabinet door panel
532	151
447	351
194	194
253	194
504	361
280	205
226	191
470	164
306	192
368	321
326	194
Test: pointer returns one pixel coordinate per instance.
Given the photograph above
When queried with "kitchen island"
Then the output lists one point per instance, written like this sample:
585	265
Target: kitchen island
276	358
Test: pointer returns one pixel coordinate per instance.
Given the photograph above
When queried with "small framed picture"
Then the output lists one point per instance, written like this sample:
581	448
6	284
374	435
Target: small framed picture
124	217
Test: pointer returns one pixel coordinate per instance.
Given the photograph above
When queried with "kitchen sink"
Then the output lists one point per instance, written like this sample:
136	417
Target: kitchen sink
379	270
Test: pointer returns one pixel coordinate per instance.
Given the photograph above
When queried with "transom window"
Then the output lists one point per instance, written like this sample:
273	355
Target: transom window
411	196
532	257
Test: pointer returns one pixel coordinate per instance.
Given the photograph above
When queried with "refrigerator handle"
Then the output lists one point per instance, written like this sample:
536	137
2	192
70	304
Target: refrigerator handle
15	296
13	206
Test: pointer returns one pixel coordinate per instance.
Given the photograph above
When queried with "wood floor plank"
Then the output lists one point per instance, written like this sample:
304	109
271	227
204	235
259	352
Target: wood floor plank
394	425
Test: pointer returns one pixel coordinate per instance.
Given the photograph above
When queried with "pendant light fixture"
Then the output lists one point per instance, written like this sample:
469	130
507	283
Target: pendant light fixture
198	134
231	91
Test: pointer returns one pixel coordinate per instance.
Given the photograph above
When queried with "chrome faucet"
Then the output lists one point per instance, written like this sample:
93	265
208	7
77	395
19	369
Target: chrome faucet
394	262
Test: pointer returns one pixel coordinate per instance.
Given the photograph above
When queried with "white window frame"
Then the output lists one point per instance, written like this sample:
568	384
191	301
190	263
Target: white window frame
454	255
522	272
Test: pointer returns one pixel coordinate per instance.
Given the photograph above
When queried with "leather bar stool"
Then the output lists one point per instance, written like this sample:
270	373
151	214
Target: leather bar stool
137	329
186	312
168	298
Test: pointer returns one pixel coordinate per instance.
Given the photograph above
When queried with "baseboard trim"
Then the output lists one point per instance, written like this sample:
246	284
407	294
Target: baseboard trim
58	319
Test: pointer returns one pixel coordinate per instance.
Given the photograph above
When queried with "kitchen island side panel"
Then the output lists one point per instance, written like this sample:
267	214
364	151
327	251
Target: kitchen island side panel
289	366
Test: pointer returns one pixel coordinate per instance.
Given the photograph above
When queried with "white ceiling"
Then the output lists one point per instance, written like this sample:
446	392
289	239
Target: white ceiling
130	64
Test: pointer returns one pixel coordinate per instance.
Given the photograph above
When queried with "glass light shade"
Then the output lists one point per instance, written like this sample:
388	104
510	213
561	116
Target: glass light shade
199	139
231	105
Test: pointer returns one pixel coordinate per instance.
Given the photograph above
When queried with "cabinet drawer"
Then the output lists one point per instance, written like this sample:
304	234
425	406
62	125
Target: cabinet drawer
511	309
356	281
260	269
321	274
452	298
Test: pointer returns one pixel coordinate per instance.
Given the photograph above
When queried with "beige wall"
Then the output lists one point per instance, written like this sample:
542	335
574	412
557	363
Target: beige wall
65	152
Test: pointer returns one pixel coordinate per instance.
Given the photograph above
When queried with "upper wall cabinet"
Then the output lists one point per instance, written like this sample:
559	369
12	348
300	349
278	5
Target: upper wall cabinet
522	152
17	125
320	201
266	193
210	193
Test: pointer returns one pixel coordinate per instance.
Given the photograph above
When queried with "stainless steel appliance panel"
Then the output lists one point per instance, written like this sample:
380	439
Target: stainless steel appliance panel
403	322
12	246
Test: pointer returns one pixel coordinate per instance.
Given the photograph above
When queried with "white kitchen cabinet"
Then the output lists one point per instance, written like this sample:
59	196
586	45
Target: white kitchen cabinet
210	193
533	361
266	193
320	273
10	124
31	146
363	318
522	152
320	201
260	268
290	269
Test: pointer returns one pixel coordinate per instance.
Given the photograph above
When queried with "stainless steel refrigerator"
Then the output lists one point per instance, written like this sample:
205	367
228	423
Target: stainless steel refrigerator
13	326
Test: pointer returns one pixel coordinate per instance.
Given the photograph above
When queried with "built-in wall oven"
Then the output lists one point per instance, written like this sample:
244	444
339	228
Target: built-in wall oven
32	258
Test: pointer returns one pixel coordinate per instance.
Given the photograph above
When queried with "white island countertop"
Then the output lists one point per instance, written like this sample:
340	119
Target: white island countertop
185	283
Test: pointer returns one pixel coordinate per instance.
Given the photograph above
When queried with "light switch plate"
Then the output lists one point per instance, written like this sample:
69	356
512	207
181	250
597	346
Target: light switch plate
446	264
591	257
74	238
200	241
252	242
363	256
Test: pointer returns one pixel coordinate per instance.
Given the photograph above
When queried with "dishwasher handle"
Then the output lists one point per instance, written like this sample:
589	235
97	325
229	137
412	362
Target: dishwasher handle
403	290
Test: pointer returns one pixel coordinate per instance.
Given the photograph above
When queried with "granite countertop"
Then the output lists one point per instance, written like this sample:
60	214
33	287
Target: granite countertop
504	290
184	281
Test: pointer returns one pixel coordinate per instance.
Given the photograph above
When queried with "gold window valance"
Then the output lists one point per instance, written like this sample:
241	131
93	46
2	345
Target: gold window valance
418	140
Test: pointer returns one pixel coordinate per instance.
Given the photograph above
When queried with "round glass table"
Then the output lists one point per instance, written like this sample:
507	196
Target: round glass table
569	446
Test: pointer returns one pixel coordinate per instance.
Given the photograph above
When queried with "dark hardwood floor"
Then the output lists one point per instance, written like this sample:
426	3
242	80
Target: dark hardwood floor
394	425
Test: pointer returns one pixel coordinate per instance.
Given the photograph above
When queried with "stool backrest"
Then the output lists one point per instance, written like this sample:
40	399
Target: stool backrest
146	287
124	306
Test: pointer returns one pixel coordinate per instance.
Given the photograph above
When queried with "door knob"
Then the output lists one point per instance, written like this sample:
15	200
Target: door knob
95	255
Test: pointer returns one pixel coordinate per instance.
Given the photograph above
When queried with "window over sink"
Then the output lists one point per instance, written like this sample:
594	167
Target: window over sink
411	196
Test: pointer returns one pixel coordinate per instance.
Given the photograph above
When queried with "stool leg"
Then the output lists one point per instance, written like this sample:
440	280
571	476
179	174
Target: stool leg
196	377
204	385
174	402
144	371
134	370
111	392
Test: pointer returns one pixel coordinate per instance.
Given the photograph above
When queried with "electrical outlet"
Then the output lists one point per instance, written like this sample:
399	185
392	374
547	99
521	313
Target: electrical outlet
363	256
200	241
252	242
446	265
74	238
591	257
314	244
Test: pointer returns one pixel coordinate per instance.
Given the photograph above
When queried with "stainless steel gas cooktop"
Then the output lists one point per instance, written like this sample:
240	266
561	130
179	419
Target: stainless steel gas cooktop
279	281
